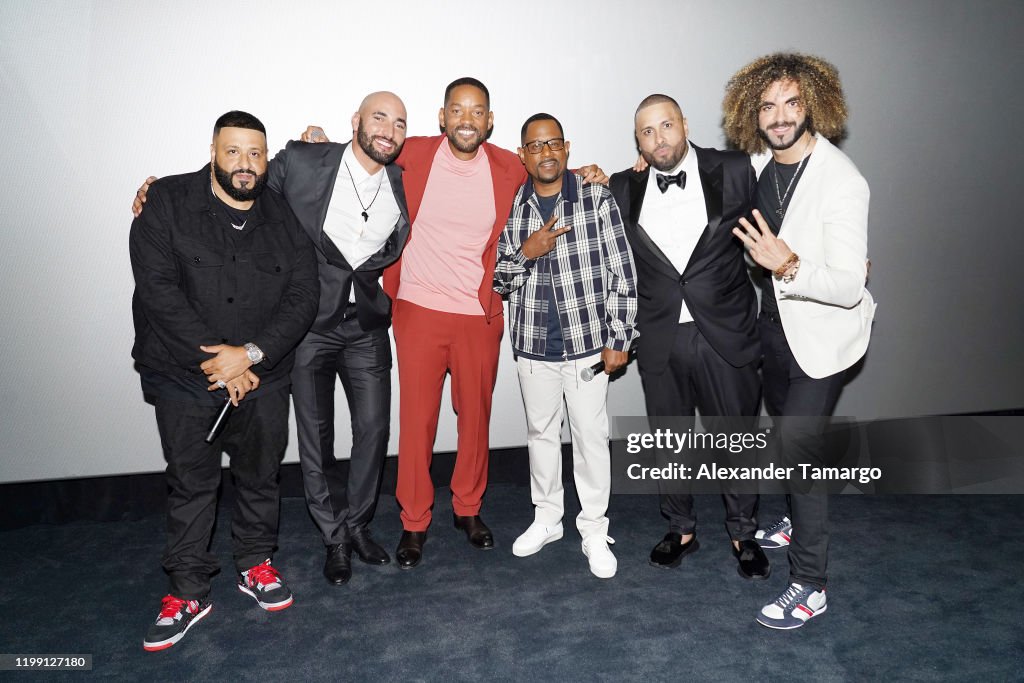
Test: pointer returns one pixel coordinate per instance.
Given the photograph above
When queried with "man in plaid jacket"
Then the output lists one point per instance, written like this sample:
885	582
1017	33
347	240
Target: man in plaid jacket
565	264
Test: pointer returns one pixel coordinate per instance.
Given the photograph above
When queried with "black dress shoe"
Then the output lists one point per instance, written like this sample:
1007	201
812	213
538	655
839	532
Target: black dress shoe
752	561
410	549
338	566
671	550
367	549
476	531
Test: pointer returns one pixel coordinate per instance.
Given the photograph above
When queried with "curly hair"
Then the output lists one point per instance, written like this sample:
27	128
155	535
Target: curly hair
820	92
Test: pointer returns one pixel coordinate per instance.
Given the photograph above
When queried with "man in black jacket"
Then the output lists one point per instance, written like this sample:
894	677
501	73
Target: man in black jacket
697	310
225	287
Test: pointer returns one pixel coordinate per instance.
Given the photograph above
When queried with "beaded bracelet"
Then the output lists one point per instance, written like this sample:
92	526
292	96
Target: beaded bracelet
781	270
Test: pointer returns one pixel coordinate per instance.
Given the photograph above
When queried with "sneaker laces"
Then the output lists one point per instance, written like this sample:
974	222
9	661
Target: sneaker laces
171	608
263	575
777	526
789	596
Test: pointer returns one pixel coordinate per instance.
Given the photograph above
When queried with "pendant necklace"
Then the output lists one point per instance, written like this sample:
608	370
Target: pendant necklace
366	216
775	176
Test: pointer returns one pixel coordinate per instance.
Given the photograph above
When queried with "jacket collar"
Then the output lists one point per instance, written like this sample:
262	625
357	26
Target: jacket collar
569	191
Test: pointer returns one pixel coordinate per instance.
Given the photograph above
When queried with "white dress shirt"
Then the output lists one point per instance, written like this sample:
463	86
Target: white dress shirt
676	219
359	239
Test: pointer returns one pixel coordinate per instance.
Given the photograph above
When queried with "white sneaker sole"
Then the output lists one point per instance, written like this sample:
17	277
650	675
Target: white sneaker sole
534	549
783	627
269	606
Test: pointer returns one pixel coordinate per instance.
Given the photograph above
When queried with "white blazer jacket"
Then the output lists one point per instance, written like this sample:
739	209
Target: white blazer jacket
826	310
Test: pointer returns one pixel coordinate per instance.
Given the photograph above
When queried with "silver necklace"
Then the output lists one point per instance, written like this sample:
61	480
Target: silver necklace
236	227
366	216
781	212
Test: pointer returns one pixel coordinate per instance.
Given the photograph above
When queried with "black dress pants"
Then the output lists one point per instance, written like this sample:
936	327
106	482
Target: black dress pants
362	360
799	401
255	439
696	377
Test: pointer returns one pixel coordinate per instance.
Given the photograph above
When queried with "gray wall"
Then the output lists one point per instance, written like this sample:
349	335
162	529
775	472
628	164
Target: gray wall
94	96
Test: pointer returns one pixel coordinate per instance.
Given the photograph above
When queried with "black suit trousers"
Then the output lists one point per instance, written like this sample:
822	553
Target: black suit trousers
696	377
790	394
362	360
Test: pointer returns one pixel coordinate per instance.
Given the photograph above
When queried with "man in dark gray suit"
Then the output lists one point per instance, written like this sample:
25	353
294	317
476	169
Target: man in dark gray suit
350	200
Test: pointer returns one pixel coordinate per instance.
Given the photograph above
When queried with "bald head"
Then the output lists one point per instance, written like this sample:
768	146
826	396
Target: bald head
379	129
661	132
658	98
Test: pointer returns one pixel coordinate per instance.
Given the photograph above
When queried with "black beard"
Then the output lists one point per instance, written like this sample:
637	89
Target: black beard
668	165
246	194
366	144
777	147
467	146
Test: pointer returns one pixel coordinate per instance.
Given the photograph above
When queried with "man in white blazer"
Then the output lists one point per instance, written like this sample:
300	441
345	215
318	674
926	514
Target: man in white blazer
810	239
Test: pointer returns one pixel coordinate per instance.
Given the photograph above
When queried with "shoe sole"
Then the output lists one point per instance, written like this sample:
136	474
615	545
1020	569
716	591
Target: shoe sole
557	536
164	644
676	562
269	606
795	626
769	545
753	577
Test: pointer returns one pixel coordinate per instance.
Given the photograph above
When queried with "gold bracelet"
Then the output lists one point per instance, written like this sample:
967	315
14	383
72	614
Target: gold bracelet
781	270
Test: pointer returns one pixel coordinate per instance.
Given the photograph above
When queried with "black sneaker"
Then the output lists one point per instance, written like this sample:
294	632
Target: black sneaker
266	587
175	619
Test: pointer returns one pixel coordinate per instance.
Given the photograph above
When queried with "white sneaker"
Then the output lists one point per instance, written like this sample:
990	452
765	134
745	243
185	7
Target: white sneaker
795	607
602	562
536	537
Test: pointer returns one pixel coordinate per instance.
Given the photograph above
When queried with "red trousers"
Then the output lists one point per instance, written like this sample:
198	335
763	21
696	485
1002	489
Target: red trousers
429	344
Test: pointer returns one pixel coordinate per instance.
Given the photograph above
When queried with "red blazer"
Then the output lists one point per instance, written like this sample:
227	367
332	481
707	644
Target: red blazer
507	174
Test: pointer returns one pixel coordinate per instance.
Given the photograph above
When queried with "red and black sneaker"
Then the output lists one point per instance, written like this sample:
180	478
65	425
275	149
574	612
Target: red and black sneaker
266	587
175	619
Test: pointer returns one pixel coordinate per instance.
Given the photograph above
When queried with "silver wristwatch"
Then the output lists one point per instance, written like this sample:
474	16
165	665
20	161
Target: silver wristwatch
255	355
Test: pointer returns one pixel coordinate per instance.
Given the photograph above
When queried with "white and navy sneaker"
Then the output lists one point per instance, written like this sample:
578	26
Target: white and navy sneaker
536	537
265	585
795	607
775	535
175	619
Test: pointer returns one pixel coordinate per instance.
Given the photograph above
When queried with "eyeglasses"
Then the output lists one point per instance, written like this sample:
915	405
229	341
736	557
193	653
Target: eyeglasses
537	146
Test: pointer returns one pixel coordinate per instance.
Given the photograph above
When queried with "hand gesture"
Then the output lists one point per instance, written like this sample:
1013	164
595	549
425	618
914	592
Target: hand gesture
767	250
543	241
314	134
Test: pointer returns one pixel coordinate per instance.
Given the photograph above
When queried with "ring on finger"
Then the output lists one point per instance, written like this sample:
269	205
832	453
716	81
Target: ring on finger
221	384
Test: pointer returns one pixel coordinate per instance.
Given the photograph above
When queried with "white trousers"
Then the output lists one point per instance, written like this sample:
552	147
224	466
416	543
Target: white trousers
544	384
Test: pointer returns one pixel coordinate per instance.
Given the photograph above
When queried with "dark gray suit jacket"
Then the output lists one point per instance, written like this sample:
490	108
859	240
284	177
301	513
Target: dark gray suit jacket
305	174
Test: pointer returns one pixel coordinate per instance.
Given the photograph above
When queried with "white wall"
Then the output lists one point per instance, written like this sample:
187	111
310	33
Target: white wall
95	96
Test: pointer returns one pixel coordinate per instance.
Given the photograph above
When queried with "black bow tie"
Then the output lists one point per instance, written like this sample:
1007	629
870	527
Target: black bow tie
665	180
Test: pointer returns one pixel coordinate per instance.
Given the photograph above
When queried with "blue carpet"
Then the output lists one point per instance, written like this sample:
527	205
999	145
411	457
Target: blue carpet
921	588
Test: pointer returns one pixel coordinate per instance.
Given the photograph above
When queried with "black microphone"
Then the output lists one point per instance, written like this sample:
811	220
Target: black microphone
587	374
222	419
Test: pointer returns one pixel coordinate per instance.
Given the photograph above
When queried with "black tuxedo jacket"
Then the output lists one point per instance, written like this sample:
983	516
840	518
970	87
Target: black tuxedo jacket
305	174
714	284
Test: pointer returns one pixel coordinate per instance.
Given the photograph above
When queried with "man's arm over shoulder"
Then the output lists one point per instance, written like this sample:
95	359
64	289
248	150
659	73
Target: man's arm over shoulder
298	304
158	285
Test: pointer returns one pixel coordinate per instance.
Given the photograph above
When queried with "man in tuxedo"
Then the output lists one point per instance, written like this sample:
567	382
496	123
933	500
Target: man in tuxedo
697	309
350	200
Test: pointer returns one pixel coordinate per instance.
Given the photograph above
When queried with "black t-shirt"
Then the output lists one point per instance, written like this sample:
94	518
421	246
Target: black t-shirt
770	187
555	347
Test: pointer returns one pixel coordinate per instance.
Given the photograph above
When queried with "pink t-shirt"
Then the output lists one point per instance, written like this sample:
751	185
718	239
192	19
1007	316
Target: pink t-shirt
442	265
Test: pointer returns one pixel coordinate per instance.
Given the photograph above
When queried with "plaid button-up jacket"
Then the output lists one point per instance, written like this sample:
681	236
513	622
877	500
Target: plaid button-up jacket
591	269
